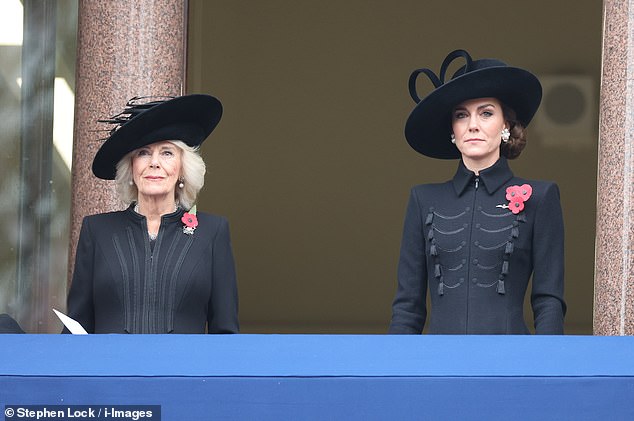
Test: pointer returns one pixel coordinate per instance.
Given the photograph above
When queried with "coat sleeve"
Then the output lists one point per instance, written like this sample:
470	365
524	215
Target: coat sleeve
222	314
409	306
547	295
80	305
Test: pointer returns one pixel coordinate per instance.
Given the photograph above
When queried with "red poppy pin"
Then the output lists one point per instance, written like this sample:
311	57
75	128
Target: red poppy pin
517	195
190	221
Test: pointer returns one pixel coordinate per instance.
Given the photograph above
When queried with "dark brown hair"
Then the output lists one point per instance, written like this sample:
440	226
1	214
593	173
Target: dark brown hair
517	141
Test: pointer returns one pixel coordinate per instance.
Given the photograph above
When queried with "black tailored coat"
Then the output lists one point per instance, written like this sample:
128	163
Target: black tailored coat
476	258
180	284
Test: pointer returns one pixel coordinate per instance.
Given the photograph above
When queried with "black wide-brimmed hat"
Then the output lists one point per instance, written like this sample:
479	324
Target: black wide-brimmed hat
189	118
428	127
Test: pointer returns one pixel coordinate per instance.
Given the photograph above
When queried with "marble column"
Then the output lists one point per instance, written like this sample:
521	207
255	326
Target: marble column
614	261
124	49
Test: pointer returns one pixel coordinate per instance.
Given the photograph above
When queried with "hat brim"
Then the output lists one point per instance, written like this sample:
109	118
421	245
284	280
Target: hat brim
188	118
428	127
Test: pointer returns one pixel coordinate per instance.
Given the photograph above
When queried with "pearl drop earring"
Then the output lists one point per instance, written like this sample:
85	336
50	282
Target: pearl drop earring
453	139
181	184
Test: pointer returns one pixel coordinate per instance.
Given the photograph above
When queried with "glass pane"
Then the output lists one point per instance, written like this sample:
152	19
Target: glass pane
30	287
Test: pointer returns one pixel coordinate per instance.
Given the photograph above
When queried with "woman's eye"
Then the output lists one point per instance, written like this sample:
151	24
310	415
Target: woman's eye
460	114
168	153
143	152
487	113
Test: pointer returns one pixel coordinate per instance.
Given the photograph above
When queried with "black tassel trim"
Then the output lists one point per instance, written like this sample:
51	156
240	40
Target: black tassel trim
501	287
432	250
437	270
508	250
505	268
430	236
430	218
441	288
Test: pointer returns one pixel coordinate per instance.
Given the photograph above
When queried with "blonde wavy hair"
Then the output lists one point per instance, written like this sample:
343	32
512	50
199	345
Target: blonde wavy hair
193	177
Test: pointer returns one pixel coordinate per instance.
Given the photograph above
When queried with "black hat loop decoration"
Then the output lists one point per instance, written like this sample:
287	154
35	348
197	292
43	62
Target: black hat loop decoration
437	81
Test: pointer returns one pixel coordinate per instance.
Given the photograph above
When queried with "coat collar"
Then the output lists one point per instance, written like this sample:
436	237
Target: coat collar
174	216
492	178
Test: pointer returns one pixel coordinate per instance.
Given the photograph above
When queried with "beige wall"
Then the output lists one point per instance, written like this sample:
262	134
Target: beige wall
310	163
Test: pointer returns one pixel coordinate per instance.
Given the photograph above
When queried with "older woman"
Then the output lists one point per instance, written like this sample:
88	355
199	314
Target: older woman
475	241
158	266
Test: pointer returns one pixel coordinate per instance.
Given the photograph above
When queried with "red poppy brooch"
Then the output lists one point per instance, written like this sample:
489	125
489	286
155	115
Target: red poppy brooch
190	221
517	195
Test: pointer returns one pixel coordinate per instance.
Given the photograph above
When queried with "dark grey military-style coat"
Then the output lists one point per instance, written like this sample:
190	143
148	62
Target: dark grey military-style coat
179	283
475	257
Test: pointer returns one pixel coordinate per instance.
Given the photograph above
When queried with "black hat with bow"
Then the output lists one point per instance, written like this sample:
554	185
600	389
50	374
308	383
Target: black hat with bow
428	127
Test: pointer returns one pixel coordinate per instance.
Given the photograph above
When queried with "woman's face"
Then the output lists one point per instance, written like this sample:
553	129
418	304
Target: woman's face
156	169
477	126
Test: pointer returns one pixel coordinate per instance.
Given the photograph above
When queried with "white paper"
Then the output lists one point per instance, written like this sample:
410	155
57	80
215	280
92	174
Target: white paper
71	324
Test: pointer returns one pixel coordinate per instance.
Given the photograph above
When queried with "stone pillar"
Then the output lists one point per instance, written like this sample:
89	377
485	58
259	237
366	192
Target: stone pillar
614	261
124	49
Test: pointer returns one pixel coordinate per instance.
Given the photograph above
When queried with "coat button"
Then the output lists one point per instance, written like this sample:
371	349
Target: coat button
474	280
475	261
477	225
